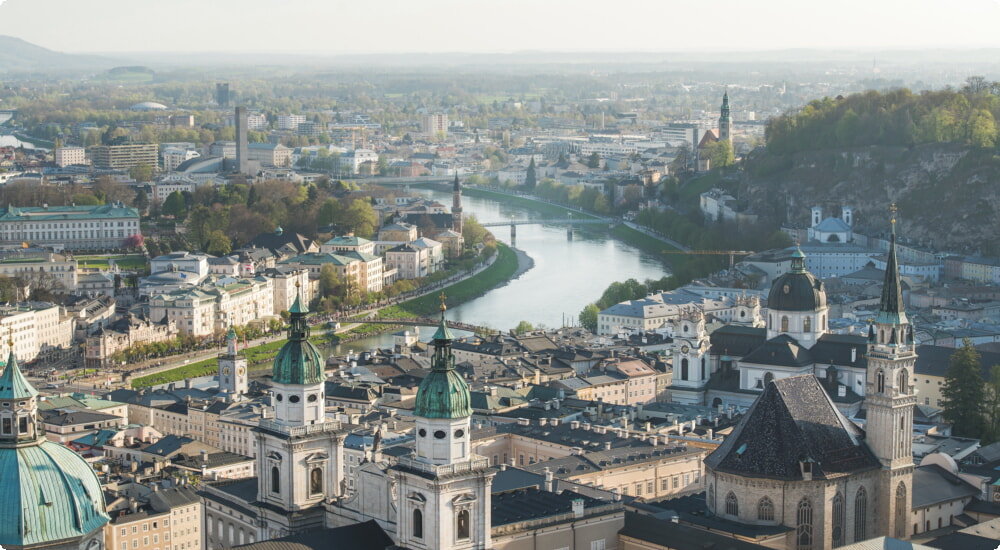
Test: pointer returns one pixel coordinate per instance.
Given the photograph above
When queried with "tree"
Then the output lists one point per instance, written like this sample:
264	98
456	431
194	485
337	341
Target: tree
523	327
530	180
473	232
175	205
382	166
141	201
594	161
360	218
141	172
588	317
963	391
992	405
328	281
218	243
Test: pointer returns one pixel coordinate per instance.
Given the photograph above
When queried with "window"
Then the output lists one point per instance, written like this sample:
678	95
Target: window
732	504
807	324
804	528
135	529
418	523
880	381
901	510
784	323
650	488
838	519
663	484
860	515
638	489
904	384
275	480
145	527
462	525
684	369
316	481
765	510
598	544
123	531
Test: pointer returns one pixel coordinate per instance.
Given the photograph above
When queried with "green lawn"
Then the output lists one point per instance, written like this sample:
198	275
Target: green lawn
124	261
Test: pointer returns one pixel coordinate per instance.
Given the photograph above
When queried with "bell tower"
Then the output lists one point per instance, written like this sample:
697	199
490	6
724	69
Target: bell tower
690	350
443	496
890	397
456	206
725	120
300	451
233	380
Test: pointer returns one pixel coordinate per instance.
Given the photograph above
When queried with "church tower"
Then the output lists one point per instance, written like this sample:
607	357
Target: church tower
456	206
299	451
443	490
889	398
725	120
690	351
233	380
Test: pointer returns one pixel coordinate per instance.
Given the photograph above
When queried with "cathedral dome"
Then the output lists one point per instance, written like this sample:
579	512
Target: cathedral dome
443	392
797	290
298	361
50	494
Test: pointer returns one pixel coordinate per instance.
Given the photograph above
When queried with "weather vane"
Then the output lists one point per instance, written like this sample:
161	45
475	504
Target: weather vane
443	307
892	210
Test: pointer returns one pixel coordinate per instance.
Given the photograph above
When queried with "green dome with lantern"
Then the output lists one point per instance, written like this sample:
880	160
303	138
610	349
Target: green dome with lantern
298	361
443	392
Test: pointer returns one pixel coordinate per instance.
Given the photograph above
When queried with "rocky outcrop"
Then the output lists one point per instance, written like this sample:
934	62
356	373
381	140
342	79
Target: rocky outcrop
947	194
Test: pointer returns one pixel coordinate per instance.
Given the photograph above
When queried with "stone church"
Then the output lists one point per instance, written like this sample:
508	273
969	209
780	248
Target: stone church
795	461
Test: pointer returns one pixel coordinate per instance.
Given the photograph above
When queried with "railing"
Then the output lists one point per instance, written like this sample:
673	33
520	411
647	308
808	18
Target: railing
298	431
475	463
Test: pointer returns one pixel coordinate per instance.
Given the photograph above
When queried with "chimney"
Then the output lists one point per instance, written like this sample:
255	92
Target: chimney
156	487
578	507
586	426
503	466
854	354
709	434
574	425
548	480
654	441
607	445
133	505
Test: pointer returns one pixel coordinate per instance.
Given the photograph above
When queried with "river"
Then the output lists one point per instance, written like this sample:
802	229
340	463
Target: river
567	274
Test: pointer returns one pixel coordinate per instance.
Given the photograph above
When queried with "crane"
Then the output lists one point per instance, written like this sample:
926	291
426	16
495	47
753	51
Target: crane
731	253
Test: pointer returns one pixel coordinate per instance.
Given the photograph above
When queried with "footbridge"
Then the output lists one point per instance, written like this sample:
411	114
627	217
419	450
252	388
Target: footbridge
552	221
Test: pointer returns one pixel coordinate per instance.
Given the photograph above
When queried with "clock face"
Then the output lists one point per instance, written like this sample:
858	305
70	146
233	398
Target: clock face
240	371
225	371
684	348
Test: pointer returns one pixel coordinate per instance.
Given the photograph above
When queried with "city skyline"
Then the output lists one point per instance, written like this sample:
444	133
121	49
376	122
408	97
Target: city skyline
394	26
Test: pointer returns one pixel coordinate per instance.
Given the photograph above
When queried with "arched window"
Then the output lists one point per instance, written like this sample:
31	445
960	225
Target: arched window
462	525
838	520
784	323
418	523
316	481
275	480
861	515
904	382
901	510
880	381
684	369
732	504
807	324
765	510
804	526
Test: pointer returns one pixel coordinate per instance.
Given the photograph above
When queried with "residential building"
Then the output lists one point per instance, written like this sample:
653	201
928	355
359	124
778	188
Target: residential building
351	161
125	155
100	227
290	122
270	154
67	156
433	125
214	306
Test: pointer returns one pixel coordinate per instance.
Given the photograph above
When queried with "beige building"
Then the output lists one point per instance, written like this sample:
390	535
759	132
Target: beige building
66	156
214	306
30	264
121	335
99	227
125	156
37	329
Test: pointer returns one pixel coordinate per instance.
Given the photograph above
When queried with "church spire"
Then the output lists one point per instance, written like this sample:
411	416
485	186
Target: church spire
443	393
890	309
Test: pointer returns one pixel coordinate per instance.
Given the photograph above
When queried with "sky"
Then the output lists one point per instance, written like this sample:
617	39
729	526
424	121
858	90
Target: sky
326	27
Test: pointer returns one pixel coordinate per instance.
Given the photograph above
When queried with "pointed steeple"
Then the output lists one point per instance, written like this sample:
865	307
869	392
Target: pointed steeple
457	186
231	341
13	384
890	309
798	261
298	361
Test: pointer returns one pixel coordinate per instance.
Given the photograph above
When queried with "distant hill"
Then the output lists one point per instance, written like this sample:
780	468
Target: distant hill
17	56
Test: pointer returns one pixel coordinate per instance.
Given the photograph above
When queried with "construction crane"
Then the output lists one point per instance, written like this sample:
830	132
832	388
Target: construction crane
731	253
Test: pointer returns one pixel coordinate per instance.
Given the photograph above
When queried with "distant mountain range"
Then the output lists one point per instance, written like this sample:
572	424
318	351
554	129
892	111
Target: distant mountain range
18	56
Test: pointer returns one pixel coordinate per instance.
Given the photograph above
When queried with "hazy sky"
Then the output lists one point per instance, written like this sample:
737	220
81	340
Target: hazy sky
379	26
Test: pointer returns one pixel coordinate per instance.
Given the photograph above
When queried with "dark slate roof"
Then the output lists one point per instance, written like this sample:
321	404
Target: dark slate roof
666	534
963	541
793	419
933	361
359	536
782	351
692	509
933	484
835	349
532	504
60	418
275	241
736	340
441	221
173	497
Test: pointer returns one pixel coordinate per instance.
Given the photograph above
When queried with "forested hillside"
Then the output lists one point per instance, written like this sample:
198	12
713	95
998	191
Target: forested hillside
932	153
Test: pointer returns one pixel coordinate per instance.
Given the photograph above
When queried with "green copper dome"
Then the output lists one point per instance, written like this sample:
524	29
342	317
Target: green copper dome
50	494
443	393
299	361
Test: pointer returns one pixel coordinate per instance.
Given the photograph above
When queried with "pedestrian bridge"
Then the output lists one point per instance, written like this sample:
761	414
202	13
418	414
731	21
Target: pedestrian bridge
427	322
553	221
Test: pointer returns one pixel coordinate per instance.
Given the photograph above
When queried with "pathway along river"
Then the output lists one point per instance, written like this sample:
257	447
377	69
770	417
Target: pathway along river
567	274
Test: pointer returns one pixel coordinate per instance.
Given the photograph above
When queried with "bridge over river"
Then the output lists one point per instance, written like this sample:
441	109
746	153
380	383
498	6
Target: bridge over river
427	322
